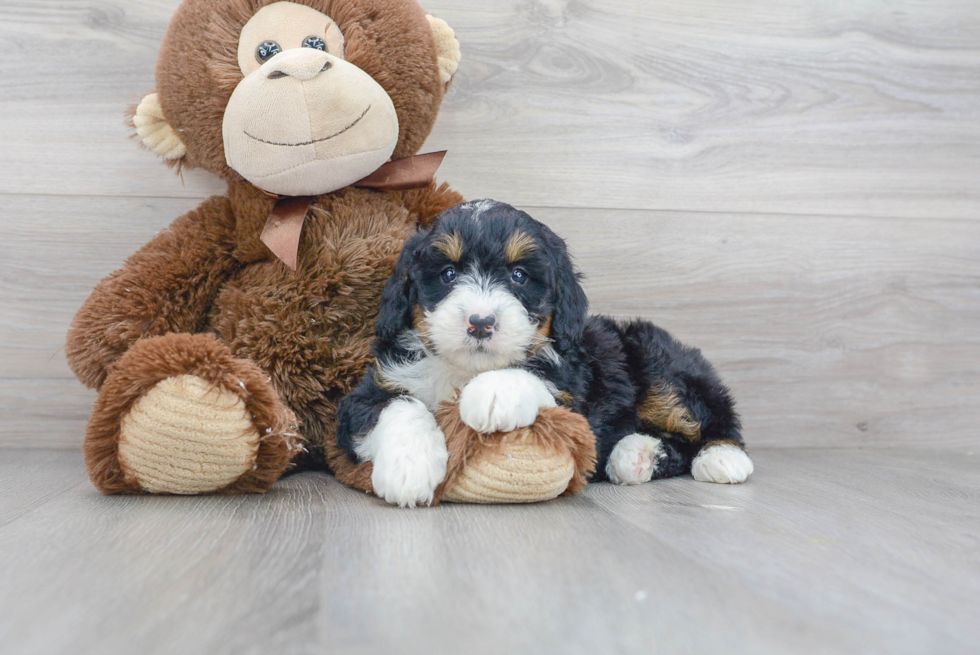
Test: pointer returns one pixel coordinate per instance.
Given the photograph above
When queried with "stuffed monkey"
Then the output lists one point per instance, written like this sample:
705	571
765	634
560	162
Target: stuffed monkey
221	348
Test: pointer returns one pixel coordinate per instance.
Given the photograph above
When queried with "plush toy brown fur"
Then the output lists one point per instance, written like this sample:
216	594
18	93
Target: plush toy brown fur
218	367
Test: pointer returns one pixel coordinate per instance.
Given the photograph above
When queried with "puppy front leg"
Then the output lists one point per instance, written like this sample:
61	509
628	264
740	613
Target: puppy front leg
399	435
503	400
408	451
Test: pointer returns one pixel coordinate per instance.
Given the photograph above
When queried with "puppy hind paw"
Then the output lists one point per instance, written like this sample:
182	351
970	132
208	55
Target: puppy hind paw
723	464
635	459
409	454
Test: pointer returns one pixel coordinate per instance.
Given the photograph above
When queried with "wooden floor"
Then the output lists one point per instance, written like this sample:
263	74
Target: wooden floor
823	551
793	186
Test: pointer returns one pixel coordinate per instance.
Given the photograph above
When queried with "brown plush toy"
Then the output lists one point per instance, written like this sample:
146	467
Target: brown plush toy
221	349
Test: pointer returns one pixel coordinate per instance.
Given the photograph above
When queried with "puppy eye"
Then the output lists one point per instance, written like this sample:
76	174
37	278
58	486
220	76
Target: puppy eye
519	276
315	42
449	275
266	51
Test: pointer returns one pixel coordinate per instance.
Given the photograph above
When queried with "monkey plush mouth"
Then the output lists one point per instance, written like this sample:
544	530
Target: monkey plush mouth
308	143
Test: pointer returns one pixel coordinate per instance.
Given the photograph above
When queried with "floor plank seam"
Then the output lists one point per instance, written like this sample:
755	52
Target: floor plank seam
39	504
542	207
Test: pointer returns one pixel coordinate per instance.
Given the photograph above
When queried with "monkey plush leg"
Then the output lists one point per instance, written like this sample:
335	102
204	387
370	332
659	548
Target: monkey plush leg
554	455
179	415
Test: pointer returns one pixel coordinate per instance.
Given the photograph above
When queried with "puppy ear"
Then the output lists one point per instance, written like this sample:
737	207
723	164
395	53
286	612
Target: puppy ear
571	304
155	132
395	315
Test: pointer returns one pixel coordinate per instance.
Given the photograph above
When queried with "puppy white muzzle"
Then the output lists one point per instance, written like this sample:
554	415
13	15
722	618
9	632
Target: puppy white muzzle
480	326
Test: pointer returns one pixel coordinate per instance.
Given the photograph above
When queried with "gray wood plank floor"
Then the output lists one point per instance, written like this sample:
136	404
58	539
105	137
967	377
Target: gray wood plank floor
823	551
790	185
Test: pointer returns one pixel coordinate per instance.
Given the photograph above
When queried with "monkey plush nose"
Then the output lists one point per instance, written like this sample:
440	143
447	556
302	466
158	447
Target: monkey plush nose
481	327
300	63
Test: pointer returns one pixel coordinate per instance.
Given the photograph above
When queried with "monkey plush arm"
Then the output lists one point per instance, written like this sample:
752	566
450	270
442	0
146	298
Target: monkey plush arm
166	286
425	204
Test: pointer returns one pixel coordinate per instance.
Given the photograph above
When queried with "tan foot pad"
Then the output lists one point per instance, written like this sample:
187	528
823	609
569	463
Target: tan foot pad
185	436
517	472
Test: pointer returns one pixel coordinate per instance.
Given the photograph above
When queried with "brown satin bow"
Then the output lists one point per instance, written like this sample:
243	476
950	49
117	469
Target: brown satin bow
285	224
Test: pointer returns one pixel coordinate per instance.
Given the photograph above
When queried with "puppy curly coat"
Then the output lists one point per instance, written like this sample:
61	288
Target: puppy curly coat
486	306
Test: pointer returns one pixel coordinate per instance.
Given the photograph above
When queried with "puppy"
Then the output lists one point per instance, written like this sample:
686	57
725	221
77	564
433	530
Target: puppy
487	307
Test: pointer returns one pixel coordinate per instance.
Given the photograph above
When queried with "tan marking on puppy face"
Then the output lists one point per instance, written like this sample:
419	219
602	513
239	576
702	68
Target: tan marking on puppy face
544	328
663	407
420	325
543	334
385	383
450	245
519	246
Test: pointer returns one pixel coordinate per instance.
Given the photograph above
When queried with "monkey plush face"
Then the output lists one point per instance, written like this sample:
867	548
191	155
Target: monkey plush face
298	98
303	118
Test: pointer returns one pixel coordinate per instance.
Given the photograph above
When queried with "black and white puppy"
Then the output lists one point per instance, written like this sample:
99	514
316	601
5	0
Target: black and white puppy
486	306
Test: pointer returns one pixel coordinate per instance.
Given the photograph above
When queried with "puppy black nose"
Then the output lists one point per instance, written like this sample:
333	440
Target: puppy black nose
481	327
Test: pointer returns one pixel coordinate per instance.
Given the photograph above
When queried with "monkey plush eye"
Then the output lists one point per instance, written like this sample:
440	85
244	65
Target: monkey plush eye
449	275
315	42
519	276
266	51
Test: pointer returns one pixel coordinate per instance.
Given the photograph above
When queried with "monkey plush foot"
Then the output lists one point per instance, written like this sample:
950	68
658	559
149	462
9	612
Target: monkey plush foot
179	415
553	456
186	436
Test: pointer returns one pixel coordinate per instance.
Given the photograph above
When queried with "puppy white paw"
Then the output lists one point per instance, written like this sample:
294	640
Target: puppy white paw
724	463
503	400
409	453
634	459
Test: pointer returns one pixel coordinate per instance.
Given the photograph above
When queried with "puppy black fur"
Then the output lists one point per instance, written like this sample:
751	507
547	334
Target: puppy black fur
624	376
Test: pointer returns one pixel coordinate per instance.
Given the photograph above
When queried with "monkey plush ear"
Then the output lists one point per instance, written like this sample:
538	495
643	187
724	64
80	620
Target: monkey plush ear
447	46
156	133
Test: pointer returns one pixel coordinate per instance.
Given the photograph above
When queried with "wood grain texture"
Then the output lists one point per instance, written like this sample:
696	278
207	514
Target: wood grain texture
29	482
832	331
847	108
791	187
44	413
823	551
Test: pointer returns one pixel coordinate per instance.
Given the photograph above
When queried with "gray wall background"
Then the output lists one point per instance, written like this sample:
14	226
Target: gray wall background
792	186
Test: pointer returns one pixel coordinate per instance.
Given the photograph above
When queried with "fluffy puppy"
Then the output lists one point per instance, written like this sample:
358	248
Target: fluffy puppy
485	308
